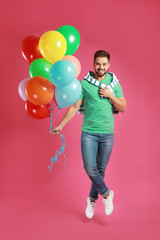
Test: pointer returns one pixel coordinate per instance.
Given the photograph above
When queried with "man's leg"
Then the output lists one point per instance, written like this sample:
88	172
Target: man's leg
89	146
105	145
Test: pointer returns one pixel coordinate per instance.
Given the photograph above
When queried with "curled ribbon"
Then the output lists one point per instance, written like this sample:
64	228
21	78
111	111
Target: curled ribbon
60	151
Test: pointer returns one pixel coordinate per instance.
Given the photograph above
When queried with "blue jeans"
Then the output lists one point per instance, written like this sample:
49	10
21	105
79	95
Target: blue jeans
96	149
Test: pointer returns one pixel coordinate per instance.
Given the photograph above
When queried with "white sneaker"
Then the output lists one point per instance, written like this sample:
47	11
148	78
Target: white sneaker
108	202
90	208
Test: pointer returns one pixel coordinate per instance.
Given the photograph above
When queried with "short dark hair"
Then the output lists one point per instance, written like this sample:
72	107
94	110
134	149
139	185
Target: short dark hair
101	53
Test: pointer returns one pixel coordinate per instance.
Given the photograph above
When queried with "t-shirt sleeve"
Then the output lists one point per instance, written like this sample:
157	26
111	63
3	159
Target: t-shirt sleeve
82	94
119	91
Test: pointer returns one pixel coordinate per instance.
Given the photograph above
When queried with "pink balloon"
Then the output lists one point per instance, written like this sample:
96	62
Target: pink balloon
75	62
21	88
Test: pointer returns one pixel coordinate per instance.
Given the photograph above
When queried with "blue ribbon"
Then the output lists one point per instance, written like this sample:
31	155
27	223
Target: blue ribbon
55	158
60	151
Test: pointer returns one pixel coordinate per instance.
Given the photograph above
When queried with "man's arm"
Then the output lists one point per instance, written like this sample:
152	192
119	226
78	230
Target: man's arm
119	103
67	117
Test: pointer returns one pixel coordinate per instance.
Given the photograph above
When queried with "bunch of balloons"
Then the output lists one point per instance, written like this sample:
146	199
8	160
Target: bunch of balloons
53	71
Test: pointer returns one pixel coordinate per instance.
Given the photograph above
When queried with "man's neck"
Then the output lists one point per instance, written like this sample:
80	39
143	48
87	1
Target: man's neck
99	78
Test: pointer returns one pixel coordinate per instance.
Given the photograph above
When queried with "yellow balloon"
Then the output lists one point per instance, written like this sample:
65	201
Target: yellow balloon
53	46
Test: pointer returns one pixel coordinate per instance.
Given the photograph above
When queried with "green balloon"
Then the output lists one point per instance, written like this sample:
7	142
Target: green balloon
40	67
72	38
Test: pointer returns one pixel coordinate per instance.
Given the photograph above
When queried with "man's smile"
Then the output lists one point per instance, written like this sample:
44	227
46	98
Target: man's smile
100	71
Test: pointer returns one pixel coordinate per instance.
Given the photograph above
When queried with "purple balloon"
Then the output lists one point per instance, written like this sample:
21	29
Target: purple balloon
21	88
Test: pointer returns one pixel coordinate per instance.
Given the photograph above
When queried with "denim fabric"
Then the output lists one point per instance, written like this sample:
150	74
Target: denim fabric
96	149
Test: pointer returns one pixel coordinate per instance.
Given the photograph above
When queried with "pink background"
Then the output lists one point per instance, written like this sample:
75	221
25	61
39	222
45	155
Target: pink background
37	204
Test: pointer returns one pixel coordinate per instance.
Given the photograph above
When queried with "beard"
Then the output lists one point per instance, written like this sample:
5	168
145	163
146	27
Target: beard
100	74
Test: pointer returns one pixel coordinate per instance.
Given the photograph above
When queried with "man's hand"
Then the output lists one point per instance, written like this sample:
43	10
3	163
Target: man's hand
119	103
56	130
104	92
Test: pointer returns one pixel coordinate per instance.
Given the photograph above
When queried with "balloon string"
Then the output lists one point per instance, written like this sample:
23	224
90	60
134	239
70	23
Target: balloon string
55	158
53	120
65	160
53	109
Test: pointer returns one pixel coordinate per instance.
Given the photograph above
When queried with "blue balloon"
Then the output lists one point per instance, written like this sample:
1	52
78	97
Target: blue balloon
69	94
62	73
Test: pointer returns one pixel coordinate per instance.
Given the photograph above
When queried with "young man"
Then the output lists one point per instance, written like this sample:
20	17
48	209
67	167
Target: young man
98	126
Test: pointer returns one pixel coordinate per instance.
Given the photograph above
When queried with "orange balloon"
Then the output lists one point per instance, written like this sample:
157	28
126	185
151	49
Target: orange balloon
75	62
39	91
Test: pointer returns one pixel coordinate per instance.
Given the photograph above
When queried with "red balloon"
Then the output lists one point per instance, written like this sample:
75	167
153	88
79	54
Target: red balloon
30	48
37	111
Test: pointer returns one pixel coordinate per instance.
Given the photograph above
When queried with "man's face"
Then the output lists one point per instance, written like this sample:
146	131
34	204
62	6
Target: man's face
101	66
